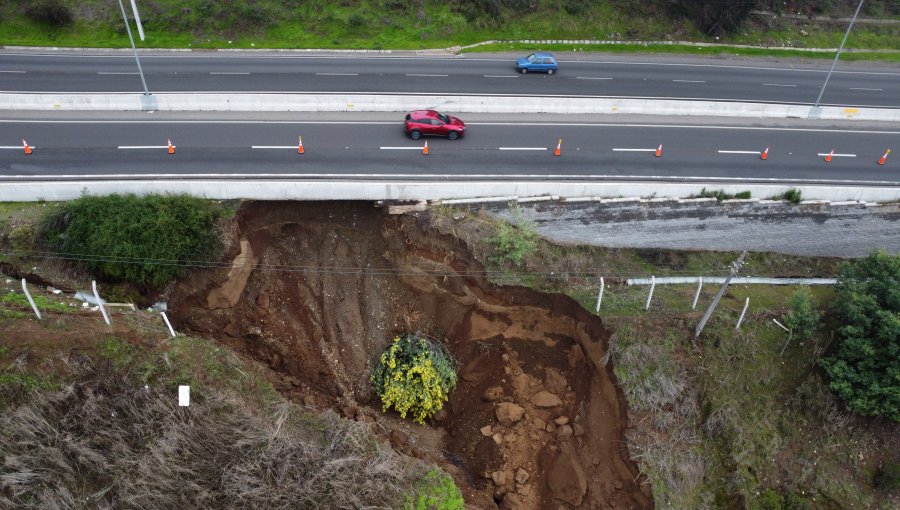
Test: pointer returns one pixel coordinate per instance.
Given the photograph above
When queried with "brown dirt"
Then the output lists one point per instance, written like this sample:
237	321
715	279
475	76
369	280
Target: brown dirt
316	291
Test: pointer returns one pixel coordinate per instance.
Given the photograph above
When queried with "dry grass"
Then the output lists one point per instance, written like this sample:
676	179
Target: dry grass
104	440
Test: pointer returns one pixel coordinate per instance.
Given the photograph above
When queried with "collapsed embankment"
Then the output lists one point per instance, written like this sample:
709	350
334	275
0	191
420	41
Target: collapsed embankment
318	293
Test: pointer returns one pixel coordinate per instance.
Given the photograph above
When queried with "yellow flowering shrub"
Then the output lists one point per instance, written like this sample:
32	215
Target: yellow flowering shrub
414	376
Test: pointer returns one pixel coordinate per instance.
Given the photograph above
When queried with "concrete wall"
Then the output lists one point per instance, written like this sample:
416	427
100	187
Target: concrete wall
399	103
23	189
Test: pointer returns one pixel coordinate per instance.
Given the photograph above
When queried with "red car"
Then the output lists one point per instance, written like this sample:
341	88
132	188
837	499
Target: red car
430	122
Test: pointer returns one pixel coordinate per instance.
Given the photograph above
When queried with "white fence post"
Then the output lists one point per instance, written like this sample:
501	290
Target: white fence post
599	296
100	302
30	300
650	295
697	294
168	324
741	318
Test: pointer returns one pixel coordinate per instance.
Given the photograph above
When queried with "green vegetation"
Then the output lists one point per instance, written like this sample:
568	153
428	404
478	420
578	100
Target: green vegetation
864	364
19	300
238	444
793	196
803	319
414	375
436	491
514	241
720	195
143	240
408	24
887	478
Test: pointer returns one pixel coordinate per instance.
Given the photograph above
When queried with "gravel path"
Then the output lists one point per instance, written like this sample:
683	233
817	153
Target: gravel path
850	230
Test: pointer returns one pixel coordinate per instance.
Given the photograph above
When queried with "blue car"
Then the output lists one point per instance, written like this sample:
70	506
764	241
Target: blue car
537	62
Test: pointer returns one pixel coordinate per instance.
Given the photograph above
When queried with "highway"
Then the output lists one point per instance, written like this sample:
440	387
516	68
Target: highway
374	146
640	76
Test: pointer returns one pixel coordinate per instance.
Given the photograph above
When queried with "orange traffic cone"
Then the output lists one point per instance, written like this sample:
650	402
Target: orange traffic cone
27	147
828	157
884	158
558	150
425	149
300	145
171	147
764	155
658	152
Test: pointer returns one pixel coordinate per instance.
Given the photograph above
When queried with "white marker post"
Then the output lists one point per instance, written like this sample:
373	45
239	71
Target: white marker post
599	296
697	294
184	396
741	318
100	302
30	300
168	324
650	295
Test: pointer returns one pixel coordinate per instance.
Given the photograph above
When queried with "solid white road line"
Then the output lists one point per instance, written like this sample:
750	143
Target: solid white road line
16	72
739	152
864	88
224	72
144	147
590	78
273	146
104	72
501	76
777	85
429	75
615	149
401	148
16	147
521	148
836	155
690	81
337	74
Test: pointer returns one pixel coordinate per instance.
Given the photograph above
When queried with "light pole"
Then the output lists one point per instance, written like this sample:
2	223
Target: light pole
836	57
147	102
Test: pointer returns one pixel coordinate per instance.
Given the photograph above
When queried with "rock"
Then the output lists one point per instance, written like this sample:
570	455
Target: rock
440	415
551	428
545	399
564	432
566	479
486	431
512	501
804	33
555	380
521	475
510	437
349	412
618	485
309	400
579	430
524	490
262	300
508	413
399	438
562	420
499	478
492	394
539	423
498	438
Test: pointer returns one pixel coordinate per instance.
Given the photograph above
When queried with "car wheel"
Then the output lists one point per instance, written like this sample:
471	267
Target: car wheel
550	71
524	70
415	134
453	135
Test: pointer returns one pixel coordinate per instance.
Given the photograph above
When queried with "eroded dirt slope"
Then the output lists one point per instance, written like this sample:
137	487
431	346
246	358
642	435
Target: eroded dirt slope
318	290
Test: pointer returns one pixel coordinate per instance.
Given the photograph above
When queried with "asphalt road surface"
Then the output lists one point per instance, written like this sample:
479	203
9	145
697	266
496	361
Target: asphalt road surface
853	84
361	147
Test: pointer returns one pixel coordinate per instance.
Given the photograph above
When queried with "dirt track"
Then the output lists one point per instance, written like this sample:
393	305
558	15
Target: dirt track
318	298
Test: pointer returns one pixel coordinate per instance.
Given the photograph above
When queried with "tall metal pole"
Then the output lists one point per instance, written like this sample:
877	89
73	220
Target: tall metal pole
838	54
735	267
133	47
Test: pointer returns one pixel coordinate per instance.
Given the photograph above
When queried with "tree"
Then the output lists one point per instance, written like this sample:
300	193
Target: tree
803	319
864	364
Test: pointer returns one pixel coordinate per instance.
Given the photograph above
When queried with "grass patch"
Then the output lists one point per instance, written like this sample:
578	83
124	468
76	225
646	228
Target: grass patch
20	301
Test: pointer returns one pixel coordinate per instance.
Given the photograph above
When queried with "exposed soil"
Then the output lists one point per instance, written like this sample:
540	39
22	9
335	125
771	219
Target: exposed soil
536	421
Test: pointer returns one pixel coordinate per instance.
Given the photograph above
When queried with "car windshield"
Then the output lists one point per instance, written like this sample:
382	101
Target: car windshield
532	57
445	119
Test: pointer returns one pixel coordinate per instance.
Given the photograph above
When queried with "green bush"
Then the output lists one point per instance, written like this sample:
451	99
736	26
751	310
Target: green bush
720	195
803	319
793	196
414	375
515	241
436	492
147	241
22	237
887	478
50	12
864	363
